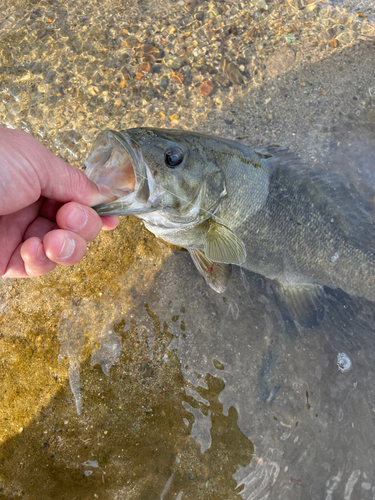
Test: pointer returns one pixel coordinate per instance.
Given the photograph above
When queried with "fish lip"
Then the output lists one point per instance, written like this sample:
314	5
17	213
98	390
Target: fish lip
126	202
136	158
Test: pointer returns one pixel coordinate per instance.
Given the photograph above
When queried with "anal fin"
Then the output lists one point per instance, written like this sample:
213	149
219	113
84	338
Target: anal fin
216	274
306	303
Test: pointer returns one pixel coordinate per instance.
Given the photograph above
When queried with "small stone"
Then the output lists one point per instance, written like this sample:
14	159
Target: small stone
174	117
139	75
303	84
172	61
74	137
164	82
231	71
130	42
310	7
206	88
222	80
333	43
215	10
148	52
324	92
280	61
259	4
92	90
199	16
179	77
253	32
145	67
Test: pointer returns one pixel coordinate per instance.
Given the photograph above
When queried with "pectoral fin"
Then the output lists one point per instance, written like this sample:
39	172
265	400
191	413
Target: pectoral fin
306	303
222	245
216	274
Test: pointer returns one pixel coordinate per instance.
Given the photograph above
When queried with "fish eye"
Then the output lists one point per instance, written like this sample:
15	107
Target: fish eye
173	157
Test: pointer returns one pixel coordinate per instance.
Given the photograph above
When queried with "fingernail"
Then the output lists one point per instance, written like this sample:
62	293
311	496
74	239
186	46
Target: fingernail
77	219
106	194
67	249
40	254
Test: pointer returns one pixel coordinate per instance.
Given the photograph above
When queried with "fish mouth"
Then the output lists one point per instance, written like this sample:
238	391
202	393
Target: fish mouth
116	162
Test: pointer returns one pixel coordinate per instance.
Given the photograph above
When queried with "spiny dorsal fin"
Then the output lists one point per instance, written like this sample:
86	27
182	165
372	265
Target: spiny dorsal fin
216	274
222	245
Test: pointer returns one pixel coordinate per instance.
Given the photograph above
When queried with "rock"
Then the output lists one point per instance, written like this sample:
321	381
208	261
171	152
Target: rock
164	82
231	71
199	16
148	52
215	10
178	77
280	61
130	42
206	88
222	80
172	61
145	67
260	4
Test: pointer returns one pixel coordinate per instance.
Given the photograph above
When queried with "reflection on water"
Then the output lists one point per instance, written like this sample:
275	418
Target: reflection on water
184	393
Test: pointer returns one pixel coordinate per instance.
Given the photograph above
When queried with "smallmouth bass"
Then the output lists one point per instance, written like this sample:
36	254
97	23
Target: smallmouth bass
231	204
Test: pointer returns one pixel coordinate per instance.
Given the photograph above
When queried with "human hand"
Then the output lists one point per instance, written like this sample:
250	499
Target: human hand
45	214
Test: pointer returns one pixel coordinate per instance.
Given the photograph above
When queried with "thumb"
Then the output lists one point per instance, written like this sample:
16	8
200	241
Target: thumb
28	170
61	182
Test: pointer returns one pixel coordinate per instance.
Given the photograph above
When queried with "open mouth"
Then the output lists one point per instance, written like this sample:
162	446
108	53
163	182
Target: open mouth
111	162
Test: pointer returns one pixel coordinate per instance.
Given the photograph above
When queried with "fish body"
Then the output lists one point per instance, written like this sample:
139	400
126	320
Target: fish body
228	203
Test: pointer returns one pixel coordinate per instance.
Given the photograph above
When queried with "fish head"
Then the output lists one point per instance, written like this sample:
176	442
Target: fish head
161	170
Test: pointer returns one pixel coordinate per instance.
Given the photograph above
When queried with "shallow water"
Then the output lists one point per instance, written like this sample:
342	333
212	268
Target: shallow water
126	376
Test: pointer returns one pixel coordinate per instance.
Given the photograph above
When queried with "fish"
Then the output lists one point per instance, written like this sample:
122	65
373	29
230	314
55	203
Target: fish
257	207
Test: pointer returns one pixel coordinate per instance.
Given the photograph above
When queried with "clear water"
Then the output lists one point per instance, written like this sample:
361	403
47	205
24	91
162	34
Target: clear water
126	376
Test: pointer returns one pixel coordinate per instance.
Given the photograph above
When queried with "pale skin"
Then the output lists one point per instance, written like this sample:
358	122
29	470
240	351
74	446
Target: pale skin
45	214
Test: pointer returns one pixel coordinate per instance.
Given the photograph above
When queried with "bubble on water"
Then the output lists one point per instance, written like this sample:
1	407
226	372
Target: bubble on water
344	363
335	257
91	463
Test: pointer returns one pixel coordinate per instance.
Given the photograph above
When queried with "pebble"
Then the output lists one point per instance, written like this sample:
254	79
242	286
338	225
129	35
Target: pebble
280	61
173	62
130	42
164	82
179	77
260	4
222	80
145	67
231	71
93	91
148	52
206	88
215	10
